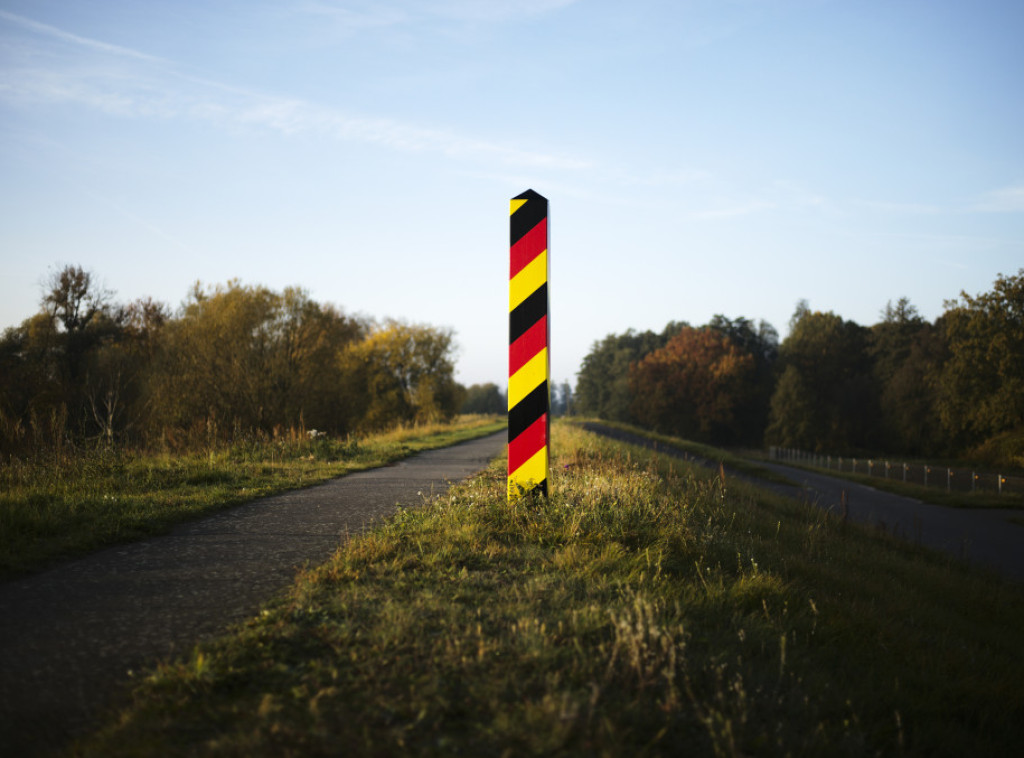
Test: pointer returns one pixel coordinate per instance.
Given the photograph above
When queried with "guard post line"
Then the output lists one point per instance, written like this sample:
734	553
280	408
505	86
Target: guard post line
529	402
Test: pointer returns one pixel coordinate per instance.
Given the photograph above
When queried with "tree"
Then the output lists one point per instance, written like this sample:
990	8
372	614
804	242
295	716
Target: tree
829	400
404	372
602	386
694	386
214	361
906	353
74	302
248	357
910	396
484	398
233	358
561	399
892	337
73	299
307	339
31	386
982	382
792	413
76	360
761	342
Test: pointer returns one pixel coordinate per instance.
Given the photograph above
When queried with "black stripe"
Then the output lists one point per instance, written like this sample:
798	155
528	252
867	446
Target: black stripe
528	410
540	487
528	313
528	216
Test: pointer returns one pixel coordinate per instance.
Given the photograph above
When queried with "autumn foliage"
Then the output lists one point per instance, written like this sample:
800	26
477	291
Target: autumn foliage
952	387
709	383
234	359
695	386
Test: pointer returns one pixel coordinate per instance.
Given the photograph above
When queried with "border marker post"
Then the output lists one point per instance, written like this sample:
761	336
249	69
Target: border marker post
529	399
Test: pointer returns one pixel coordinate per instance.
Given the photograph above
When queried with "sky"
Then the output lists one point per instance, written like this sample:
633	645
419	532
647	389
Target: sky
700	157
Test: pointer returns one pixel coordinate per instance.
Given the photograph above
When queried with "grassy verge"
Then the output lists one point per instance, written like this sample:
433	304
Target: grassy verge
751	466
49	512
646	608
734	463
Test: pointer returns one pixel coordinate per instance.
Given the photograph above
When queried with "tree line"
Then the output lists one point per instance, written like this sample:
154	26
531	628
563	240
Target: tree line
904	385
491	399
232	359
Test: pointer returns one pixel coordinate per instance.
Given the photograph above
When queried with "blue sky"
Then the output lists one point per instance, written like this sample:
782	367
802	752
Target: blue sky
699	157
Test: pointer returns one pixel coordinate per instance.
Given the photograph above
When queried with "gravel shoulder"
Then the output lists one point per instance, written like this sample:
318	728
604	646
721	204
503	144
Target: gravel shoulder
73	637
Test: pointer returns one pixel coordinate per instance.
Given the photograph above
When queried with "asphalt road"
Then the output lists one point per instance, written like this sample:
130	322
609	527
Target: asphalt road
71	637
984	536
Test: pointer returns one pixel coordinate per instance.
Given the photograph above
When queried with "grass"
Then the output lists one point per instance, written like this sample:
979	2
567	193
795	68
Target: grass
645	608
936	495
733	462
750	466
54	511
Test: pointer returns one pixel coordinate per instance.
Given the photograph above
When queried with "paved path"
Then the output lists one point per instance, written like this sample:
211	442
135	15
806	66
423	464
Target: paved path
69	636
985	536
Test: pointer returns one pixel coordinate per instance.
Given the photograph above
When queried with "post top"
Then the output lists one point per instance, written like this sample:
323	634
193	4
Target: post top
529	195
538	204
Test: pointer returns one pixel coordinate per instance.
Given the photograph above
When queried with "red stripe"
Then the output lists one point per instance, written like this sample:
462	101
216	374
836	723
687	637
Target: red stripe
532	244
528	345
523	447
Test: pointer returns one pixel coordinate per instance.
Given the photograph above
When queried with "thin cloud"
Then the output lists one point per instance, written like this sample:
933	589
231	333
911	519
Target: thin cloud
116	93
292	117
371	15
103	47
1004	200
493	10
908	209
682	177
779	196
160	91
732	211
367	16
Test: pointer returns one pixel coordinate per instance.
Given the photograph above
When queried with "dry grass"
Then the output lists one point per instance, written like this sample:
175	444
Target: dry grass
54	507
643	609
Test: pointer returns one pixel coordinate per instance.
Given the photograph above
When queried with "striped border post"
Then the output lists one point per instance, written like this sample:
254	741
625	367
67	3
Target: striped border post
529	403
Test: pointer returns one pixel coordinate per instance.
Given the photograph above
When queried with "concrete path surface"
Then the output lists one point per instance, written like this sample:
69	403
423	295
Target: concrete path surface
70	636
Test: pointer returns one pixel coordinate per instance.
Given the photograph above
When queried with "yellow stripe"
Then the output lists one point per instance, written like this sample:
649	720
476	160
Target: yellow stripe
526	282
528	378
534	471
516	205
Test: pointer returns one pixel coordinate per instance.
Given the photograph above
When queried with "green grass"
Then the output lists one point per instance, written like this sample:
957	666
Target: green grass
645	608
51	511
733	462
750	465
936	495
